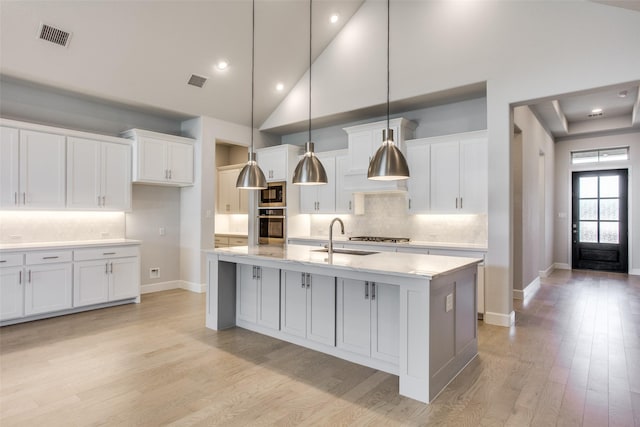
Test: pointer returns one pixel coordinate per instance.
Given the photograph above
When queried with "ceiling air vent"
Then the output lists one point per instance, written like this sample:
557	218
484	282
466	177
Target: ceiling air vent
197	81
595	114
54	35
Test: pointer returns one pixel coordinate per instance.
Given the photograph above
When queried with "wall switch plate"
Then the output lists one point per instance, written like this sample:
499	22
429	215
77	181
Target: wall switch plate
154	273
162	231
449	303
104	234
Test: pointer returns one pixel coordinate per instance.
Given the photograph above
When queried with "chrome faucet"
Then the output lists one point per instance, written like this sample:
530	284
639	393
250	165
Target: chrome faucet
331	233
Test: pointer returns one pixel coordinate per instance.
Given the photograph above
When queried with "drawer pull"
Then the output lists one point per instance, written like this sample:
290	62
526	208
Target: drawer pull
108	253
50	257
3	260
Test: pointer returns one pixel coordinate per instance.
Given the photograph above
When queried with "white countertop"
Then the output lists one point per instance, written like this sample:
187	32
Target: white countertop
397	264
414	243
4	247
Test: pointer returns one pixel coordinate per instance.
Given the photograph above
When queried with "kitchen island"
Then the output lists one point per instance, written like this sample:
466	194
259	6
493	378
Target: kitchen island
410	315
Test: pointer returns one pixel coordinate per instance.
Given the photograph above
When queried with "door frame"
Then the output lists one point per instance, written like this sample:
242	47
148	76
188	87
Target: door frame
600	167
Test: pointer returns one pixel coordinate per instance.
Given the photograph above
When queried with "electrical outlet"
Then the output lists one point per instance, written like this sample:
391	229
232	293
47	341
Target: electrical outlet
104	234
449	303
162	231
154	273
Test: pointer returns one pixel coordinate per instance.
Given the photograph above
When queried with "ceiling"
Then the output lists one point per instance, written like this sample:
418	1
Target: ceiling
142	53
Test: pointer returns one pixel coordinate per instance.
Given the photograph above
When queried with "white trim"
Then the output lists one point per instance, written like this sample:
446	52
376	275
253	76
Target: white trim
161	286
634	272
529	290
500	319
199	288
561	266
546	273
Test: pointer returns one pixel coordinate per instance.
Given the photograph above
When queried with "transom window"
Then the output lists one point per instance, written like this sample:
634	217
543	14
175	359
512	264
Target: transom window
600	156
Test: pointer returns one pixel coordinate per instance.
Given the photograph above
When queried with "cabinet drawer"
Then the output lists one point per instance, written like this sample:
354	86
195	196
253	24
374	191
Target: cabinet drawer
220	240
105	252
238	241
48	257
10	259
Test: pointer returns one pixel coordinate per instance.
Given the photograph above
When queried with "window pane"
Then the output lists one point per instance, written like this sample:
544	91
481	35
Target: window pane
609	232
588	187
588	232
584	157
608	209
609	186
588	209
614	154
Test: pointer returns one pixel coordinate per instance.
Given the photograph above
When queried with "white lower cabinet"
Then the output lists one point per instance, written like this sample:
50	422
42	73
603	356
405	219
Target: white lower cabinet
308	306
91	283
11	292
48	288
258	295
368	316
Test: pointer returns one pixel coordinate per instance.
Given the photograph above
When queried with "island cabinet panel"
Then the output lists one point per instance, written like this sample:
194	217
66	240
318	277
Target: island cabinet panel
308	306
11	292
369	319
258	295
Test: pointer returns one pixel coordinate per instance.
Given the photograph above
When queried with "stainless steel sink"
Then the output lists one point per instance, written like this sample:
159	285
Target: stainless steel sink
346	251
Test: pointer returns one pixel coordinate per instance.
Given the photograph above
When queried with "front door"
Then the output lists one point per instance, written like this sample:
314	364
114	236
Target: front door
599	226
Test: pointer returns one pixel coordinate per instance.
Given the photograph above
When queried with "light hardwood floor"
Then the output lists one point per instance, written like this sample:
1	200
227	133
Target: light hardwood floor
573	358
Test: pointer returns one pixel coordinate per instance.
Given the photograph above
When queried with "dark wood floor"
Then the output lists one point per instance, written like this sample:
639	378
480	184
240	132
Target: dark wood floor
573	358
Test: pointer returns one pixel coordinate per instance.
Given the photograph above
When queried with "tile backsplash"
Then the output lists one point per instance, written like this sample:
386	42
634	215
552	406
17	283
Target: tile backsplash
386	215
233	223
58	226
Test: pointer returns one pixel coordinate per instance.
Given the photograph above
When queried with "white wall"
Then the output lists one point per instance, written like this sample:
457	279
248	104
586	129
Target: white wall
563	170
522	50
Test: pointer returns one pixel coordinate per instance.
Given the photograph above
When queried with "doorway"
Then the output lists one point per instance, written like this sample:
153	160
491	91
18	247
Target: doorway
599	226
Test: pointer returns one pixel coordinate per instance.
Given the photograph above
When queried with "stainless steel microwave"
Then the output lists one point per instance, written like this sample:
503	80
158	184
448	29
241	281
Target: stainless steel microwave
274	196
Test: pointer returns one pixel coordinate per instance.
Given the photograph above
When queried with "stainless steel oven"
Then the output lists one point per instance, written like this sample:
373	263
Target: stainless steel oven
274	196
271	226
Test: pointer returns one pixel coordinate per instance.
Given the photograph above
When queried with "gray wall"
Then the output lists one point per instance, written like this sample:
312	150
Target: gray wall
463	116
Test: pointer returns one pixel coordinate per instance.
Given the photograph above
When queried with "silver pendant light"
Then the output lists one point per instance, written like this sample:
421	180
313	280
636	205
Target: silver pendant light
388	164
309	170
251	176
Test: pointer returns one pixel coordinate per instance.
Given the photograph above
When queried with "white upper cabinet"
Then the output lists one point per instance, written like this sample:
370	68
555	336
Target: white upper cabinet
33	169
98	174
231	200
161	159
418	153
274	163
321	198
344	197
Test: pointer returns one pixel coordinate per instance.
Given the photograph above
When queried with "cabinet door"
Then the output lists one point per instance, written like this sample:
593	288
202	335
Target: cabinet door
326	194
152	160
116	176
293	315
247	293
83	173
321	309
360	150
354	316
180	163
308	198
269	298
9	167
228	199
344	197
90	282
274	164
124	280
11	293
385	322
48	288
42	169
418	158
445	176
474	188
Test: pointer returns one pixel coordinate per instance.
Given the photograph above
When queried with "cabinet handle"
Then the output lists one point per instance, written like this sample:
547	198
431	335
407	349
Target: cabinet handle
373	290
166	174
24	198
308	280
98	200
104	201
20	277
258	272
3	260
50	257
111	268
349	204
456	203
460	202
366	290
253	273
15	198
29	276
409	203
303	279
108	253
169	173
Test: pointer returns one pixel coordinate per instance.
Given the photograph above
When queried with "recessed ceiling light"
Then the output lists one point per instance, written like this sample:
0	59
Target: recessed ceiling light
596	111
623	94
222	64
334	18
279	87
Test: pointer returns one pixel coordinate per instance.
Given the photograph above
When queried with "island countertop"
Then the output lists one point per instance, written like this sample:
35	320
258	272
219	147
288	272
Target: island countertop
397	264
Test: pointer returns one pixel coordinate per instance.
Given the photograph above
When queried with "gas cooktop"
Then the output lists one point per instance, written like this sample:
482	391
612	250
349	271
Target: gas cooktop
379	239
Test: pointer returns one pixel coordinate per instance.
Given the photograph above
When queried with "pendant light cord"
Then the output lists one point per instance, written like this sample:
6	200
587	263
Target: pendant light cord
388	49
310	35
253	48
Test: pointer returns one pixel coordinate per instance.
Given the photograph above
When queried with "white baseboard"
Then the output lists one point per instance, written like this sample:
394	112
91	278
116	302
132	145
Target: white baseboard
547	272
500	319
561	266
173	284
635	271
529	290
158	287
193	287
